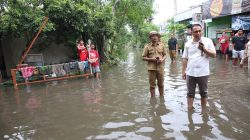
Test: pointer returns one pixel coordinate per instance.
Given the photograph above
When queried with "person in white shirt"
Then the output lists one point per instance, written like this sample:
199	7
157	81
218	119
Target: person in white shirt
246	53
195	65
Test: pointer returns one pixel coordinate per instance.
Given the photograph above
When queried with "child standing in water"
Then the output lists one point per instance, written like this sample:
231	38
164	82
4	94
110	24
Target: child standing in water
82	51
94	61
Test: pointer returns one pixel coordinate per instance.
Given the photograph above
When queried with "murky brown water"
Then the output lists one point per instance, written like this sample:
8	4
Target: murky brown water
118	106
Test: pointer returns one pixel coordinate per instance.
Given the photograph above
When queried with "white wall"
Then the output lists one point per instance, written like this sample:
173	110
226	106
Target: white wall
187	14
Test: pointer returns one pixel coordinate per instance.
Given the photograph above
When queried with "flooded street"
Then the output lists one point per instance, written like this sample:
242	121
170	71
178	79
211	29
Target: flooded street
118	106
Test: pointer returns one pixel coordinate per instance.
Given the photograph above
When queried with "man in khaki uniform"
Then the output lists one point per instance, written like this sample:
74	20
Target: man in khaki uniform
155	54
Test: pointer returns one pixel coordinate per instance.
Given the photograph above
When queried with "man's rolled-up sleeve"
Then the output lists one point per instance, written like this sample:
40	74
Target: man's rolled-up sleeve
145	52
185	52
164	50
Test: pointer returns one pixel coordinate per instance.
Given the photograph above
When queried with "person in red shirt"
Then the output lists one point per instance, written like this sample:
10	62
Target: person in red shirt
224	41
82	51
94	61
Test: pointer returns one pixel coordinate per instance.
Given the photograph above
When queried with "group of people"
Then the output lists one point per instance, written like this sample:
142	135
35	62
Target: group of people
90	55
195	64
236	44
240	46
195	67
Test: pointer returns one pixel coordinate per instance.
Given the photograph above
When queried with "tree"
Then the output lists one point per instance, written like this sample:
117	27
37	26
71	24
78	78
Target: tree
105	22
177	29
22	19
173	27
68	20
144	32
132	13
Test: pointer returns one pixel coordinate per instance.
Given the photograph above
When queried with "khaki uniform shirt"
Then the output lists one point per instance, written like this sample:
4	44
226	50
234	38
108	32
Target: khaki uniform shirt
152	51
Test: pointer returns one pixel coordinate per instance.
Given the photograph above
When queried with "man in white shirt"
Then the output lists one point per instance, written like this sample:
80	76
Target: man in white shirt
195	66
246	53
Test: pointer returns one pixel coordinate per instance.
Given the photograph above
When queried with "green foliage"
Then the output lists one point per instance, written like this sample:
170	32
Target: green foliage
165	37
132	14
21	18
173	27
144	32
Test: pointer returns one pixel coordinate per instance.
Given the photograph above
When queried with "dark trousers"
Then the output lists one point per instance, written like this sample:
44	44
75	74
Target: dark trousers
191	86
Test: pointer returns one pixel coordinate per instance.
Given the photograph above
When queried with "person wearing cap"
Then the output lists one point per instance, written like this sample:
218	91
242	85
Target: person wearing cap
195	65
155	54
172	47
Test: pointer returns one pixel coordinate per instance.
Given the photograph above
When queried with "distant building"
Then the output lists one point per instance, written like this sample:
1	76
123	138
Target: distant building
162	27
187	16
217	16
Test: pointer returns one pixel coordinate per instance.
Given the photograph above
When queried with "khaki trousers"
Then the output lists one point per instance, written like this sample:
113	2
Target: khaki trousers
172	54
156	75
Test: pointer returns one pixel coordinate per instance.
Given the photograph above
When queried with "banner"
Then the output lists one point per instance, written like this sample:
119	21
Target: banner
242	21
219	8
245	6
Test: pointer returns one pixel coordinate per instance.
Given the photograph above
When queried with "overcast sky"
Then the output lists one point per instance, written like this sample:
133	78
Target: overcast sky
164	9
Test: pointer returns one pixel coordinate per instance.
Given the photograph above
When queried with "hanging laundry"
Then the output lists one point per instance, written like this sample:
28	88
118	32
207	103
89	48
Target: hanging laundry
86	64
49	70
41	70
83	65
45	70
73	66
27	72
53	75
58	70
66	68
36	71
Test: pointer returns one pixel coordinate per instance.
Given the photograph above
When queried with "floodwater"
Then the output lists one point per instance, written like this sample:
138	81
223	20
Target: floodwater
118	106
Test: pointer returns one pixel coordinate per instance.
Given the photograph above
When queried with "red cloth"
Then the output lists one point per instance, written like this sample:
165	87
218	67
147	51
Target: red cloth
93	54
27	72
83	54
225	45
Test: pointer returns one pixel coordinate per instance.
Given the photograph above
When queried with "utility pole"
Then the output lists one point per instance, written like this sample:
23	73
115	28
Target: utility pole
175	12
175	7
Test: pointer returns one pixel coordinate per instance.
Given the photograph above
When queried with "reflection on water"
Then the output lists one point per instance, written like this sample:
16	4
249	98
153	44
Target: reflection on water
118	106
198	130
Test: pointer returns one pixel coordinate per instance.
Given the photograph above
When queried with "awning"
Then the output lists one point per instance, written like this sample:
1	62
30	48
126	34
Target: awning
219	8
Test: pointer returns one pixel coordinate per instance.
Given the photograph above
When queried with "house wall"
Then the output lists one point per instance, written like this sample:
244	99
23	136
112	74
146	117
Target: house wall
217	24
52	54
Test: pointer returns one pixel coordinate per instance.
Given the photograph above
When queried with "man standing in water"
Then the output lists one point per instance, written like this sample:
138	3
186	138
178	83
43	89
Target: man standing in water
239	44
173	47
155	54
246	53
195	66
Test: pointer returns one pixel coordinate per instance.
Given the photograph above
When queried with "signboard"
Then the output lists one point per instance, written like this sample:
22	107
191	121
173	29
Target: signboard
197	17
242	21
236	6
245	6
219	8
